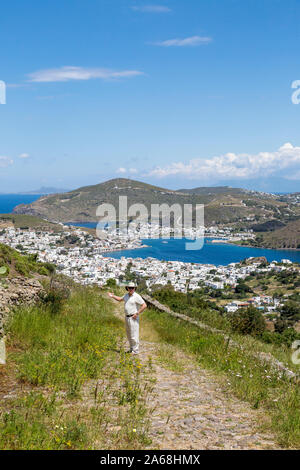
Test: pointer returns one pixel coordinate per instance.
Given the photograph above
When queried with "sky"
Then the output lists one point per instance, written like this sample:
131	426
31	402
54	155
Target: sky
176	93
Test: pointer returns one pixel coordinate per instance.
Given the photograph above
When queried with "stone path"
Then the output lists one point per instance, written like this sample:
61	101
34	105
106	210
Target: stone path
193	411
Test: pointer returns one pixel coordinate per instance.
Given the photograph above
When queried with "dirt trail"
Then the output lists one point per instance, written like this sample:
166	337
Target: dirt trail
192	409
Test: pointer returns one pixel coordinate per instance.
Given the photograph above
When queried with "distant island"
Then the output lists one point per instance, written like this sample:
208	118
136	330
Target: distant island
46	190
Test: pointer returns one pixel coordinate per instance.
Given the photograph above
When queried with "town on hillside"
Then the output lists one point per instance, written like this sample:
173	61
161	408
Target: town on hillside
83	257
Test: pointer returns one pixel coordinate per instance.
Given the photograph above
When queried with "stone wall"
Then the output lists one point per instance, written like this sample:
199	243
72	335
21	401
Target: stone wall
17	291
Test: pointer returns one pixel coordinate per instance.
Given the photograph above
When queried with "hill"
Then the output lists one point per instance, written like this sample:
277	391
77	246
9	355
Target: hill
223	205
287	237
213	190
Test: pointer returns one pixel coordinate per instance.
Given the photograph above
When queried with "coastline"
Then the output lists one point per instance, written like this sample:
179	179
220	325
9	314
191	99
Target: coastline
263	247
124	249
205	236
220	243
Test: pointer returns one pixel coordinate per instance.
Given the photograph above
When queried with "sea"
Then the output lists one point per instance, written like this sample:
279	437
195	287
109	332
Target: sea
9	201
219	254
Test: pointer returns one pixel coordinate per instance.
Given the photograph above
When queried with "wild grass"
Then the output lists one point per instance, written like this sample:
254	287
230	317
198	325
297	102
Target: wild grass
80	389
241	373
67	348
167	355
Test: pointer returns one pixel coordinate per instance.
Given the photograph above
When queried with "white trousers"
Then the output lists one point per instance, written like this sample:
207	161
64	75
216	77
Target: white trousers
132	330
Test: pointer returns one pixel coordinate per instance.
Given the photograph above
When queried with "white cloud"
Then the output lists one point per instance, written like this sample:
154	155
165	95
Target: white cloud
24	155
67	73
151	9
191	41
284	162
15	85
5	161
125	170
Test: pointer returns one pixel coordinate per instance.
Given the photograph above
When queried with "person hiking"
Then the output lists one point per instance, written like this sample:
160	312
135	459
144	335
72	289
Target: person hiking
134	305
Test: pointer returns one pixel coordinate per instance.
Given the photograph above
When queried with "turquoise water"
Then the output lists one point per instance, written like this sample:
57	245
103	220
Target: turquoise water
217	254
9	201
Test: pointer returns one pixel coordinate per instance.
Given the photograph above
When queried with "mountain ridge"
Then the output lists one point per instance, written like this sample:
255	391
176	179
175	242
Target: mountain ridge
223	205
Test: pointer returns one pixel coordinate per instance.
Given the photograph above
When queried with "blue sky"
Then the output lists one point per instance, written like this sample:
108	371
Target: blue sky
178	93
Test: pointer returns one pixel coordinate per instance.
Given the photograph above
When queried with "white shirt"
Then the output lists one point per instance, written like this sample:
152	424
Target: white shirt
132	303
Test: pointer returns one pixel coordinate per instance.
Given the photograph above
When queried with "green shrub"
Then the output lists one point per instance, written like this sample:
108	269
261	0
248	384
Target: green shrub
50	267
270	337
43	270
247	321
22	268
111	283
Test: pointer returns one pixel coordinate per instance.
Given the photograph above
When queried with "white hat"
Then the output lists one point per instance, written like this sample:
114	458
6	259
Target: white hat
130	284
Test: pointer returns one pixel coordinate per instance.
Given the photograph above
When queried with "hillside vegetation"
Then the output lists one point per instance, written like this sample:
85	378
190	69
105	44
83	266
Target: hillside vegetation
15	264
286	237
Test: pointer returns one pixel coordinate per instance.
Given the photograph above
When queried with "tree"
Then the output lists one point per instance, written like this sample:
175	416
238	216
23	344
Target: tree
280	325
290	312
129	276
111	282
247	321
242	288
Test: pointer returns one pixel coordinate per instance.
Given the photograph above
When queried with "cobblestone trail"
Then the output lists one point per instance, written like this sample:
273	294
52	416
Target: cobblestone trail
192	410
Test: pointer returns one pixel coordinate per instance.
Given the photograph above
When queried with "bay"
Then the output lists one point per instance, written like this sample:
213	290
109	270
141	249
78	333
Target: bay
218	254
